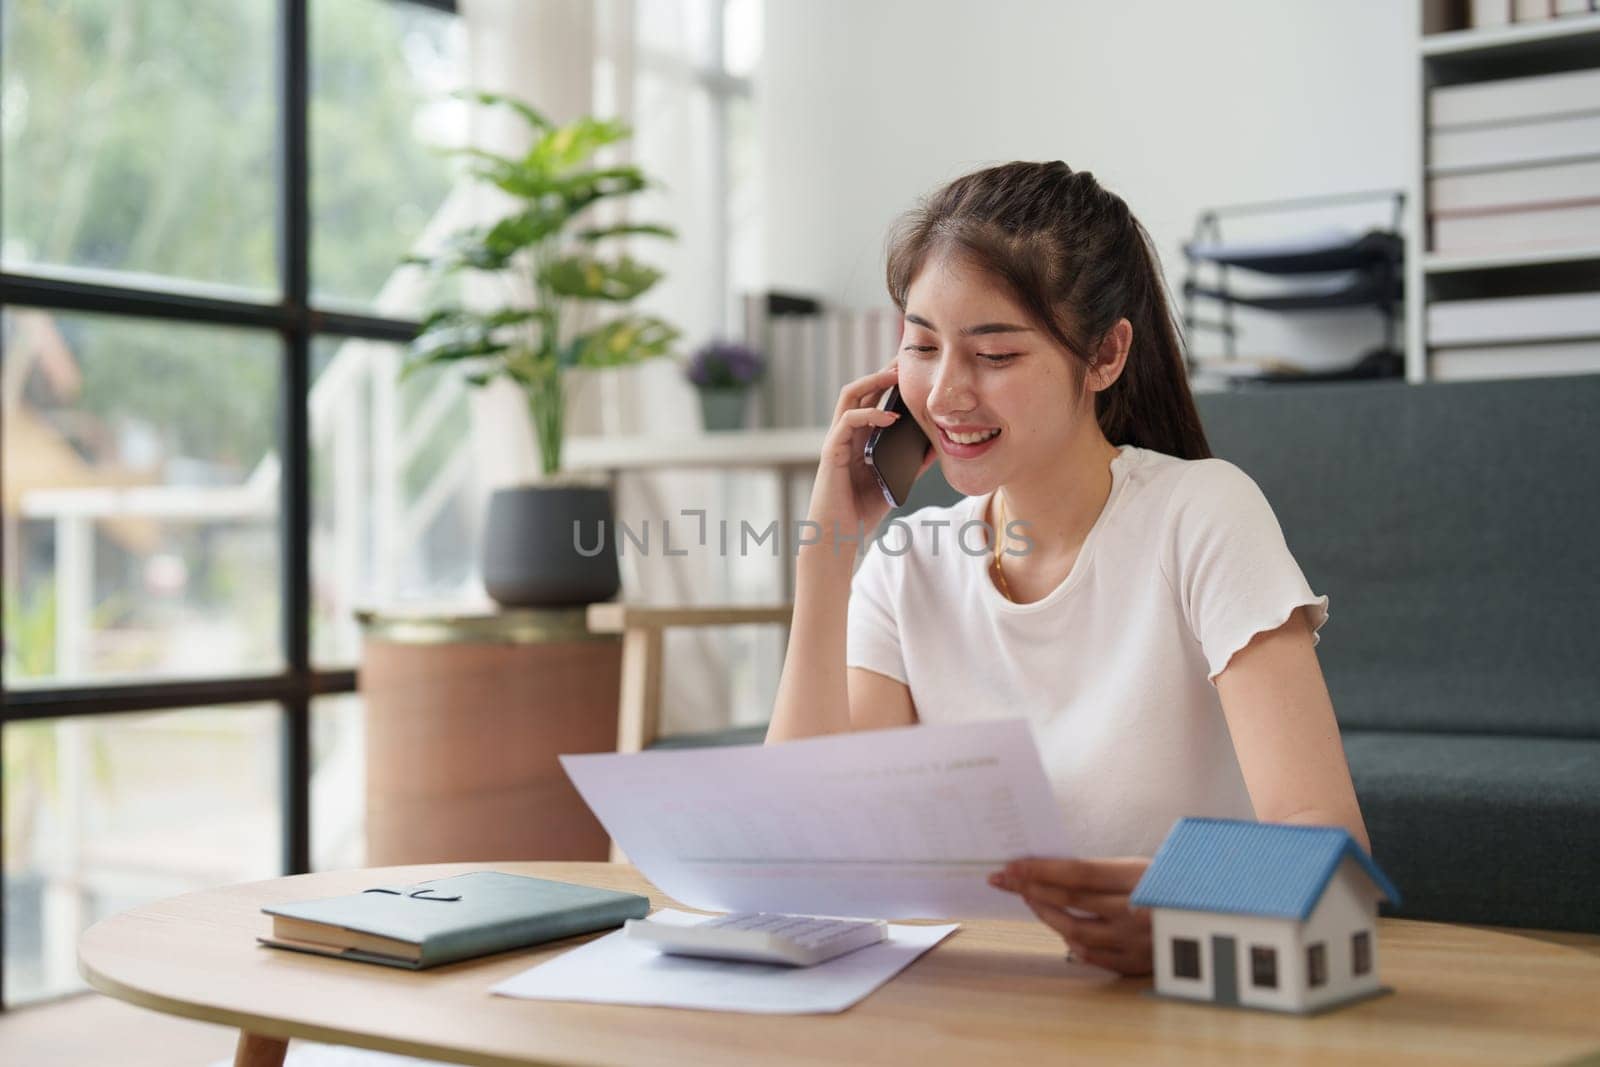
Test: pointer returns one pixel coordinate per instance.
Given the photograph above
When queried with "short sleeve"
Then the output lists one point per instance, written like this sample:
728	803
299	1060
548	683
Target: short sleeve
1230	564
873	635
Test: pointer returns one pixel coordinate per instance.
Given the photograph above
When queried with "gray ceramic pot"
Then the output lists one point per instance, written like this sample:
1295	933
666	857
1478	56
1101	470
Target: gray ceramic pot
550	546
723	409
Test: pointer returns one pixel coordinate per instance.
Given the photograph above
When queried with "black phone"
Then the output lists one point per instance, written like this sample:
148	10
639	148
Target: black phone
895	453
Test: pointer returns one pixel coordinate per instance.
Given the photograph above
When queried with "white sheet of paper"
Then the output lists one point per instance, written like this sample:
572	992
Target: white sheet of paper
883	824
615	970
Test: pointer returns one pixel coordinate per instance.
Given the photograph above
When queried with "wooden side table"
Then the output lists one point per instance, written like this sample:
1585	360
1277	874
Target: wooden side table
466	714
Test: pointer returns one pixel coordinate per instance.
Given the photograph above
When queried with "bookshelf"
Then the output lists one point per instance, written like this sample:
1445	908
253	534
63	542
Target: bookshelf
1528	39
1455	264
1434	263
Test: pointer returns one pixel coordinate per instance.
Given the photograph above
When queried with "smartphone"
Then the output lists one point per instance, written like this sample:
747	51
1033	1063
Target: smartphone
895	453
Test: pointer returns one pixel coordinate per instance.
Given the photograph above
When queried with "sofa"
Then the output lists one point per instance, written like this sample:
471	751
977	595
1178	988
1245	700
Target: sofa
1455	528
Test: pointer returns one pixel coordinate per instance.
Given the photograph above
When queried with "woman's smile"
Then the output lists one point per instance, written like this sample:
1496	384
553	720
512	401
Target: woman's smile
967	442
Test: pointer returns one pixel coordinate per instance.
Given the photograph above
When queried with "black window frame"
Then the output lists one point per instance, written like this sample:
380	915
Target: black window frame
1316	965
1361	953
1263	967
1186	958
298	324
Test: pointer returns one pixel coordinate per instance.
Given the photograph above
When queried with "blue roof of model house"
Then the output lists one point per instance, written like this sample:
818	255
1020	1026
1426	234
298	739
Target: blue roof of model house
1250	868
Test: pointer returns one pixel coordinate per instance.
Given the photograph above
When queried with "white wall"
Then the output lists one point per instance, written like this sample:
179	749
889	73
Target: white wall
868	104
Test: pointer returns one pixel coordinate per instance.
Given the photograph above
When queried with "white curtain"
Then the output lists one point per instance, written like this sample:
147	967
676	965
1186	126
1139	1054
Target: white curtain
574	57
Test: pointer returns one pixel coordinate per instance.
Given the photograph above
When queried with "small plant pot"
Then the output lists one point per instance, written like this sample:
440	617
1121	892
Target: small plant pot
550	546
723	409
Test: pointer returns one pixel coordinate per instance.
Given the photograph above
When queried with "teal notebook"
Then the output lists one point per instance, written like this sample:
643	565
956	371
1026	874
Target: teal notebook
447	919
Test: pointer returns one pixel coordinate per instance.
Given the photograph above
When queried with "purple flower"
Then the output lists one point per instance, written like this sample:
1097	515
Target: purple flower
725	365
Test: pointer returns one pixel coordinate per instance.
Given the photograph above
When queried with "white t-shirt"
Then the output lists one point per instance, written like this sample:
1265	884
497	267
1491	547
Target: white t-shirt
1115	668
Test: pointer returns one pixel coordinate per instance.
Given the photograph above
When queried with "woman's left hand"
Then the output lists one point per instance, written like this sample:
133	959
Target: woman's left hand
1117	936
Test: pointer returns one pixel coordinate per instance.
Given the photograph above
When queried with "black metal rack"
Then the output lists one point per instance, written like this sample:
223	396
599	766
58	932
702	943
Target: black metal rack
1374	261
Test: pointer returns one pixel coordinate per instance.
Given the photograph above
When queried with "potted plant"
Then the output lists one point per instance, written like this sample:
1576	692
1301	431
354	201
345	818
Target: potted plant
540	540
723	372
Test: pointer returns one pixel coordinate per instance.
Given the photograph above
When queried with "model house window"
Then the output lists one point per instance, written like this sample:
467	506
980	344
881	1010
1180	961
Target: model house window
1263	967
1185	957
1317	964
1361	953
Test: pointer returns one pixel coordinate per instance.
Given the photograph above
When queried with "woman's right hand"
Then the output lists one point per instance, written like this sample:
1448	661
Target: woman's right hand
846	496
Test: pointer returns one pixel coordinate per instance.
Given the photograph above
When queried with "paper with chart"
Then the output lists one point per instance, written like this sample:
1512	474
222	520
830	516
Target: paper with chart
901	823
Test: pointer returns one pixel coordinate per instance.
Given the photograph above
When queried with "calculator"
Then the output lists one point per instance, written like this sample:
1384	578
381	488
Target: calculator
760	937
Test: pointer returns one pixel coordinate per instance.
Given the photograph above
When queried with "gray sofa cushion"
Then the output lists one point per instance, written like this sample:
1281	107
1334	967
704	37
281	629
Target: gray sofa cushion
734	735
1484	828
1454	528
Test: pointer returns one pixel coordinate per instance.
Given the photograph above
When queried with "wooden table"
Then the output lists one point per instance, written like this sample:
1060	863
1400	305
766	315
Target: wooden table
993	992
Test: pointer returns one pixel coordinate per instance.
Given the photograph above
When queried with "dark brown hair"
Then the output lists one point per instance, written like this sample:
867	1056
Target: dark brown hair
1076	259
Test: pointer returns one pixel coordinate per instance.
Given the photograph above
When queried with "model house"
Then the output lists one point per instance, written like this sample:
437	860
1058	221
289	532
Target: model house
1264	915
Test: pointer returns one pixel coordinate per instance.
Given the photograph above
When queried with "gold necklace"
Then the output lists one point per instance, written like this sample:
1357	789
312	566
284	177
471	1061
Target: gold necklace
999	542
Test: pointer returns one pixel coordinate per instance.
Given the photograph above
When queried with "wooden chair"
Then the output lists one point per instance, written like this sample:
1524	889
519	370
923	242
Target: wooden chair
642	627
639	709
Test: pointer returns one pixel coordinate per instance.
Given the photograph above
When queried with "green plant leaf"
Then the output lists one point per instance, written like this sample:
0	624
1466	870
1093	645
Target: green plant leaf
470	249
622	341
517	180
642	228
534	118
450	346
580	190
574	191
458	317
515	232
587	278
561	149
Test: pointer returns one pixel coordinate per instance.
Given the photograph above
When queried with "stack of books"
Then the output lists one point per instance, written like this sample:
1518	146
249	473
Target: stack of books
1501	12
1514	164
813	352
1521	336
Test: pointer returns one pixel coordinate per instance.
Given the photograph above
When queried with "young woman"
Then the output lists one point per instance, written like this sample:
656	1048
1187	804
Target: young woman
1140	606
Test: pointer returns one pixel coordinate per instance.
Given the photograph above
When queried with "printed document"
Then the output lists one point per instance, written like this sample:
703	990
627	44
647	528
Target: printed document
616	970
882	824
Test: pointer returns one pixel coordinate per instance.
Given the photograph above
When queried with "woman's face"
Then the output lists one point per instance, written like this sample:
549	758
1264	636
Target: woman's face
997	397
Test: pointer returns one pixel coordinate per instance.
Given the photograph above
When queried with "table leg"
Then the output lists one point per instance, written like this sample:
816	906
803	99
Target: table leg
257	1051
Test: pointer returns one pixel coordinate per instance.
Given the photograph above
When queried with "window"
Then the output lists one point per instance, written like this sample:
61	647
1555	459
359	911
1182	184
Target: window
697	130
144	457
380	188
202	207
1263	967
1361	952
394	511
105	812
140	143
1317	965
1185	957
